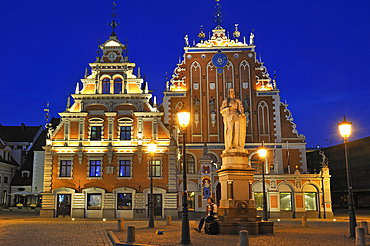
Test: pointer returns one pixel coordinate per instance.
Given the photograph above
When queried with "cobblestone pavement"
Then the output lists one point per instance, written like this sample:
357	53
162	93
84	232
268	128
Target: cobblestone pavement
29	229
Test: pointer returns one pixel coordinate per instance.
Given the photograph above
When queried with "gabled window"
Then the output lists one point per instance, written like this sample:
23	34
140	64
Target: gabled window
125	133
106	86
95	168
65	169
124	168
95	133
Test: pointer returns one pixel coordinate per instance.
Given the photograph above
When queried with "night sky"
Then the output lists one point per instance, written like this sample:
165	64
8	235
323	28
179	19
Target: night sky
319	50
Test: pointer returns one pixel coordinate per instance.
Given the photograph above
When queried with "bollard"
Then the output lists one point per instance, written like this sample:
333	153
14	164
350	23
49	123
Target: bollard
363	224
121	225
243	238
304	221
168	220
130	234
360	236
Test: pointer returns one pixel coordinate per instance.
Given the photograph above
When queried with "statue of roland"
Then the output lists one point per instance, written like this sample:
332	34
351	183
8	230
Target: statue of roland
235	123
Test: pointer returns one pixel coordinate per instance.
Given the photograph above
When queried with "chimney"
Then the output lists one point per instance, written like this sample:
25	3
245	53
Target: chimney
23	127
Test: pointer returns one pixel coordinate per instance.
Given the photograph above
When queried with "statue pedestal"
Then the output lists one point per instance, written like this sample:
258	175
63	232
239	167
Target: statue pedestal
237	211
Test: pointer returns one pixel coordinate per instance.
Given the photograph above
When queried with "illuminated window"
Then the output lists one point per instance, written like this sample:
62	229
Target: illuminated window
124	201
125	133
285	201
106	86
65	169
156	168
124	168
191	200
95	133
118	86
258	197
310	201
94	201
95	169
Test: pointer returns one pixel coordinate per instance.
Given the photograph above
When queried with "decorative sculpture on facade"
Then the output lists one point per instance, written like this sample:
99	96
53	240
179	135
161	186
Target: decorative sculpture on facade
234	122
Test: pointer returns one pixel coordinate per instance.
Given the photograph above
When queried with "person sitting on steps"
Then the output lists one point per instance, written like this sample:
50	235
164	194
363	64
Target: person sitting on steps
211	214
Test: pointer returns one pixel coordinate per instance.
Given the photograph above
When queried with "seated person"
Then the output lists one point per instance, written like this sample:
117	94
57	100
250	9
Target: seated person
211	214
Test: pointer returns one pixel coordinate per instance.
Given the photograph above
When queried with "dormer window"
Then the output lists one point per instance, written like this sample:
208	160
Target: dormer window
106	86
25	173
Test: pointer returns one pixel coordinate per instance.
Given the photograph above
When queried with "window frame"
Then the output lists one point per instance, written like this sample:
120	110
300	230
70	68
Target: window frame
128	207
117	82
65	158
188	156
105	86
291	201
96	122
313	198
156	159
95	158
127	157
125	122
88	195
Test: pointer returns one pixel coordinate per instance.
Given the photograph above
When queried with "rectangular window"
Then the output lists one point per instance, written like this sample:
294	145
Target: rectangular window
125	133
94	201
5	194
94	168
124	201
124	168
6	180
286	201
156	168
191	201
258	197
96	133
65	169
310	201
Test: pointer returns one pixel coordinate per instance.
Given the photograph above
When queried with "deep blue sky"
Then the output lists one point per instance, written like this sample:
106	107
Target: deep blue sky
319	50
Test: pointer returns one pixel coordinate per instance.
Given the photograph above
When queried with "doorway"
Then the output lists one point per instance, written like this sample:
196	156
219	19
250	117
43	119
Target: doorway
157	203
64	205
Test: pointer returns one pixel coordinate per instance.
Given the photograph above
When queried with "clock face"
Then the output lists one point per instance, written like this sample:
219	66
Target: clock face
112	56
219	60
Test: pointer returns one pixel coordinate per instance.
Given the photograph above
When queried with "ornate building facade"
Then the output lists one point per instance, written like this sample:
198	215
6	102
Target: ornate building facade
199	84
97	161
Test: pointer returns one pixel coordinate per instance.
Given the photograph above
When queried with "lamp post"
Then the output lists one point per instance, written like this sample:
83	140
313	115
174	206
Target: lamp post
184	118
345	131
152	146
262	153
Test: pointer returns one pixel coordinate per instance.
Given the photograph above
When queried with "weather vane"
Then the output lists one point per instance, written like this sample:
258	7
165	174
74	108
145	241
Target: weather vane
218	15
114	24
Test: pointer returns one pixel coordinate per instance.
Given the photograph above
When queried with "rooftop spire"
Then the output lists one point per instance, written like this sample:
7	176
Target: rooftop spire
47	110
218	15
114	24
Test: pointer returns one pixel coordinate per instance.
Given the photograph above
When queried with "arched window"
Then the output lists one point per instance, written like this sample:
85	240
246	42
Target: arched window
263	121
256	163
118	86
190	164
106	86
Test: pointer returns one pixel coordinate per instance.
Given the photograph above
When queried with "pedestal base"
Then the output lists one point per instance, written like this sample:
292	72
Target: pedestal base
253	228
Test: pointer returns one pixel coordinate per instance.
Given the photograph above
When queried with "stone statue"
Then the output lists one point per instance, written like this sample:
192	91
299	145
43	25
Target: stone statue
251	39
212	104
234	122
324	162
186	41
246	104
196	104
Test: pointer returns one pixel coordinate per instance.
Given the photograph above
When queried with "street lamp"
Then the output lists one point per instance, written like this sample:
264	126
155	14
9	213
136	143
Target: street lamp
262	153
345	131
184	118
152	146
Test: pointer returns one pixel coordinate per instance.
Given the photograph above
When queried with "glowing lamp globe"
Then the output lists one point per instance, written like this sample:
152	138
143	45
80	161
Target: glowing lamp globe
183	117
152	146
262	152
345	128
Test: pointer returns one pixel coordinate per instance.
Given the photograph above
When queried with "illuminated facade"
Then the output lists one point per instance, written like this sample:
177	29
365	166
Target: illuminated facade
96	159
199	84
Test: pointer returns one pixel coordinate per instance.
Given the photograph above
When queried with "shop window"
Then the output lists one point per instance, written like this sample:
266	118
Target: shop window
94	168
191	201
124	201
65	169
94	201
95	133
156	168
118	86
258	198
286	201
124	168
106	86
125	133
310	201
